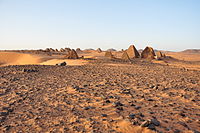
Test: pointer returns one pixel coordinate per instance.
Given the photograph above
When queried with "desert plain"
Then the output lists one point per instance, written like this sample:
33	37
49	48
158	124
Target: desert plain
99	94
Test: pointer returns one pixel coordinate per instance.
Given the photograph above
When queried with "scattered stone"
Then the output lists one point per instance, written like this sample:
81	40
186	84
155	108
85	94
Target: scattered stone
177	131
126	91
116	104
155	122
138	107
132	116
104	115
151	126
146	123
29	70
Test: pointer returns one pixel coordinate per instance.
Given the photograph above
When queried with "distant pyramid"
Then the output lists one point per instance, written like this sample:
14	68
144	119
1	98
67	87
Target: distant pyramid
148	53
99	50
72	55
62	50
78	50
132	52
109	54
159	55
125	56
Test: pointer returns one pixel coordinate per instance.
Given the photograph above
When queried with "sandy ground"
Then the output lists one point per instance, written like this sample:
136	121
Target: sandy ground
14	58
98	95
185	56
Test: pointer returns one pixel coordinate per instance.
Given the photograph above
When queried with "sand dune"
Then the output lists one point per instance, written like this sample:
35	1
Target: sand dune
14	58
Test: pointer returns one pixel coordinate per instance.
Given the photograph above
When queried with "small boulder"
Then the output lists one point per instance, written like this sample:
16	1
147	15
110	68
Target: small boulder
62	64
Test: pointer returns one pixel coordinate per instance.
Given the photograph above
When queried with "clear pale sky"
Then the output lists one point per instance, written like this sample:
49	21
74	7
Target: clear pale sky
162	24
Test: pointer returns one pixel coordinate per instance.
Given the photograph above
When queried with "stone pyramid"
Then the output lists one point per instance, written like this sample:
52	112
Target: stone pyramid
148	53
72	55
109	54
99	50
125	56
159	55
132	52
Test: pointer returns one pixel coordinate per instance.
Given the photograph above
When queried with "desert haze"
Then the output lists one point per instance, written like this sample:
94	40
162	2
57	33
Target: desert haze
98	91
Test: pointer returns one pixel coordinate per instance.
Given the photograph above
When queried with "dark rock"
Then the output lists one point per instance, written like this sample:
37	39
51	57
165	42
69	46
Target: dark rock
155	122
104	115
107	101
151	126
146	123
120	108
137	107
29	70
62	64
177	131
116	104
126	91
132	116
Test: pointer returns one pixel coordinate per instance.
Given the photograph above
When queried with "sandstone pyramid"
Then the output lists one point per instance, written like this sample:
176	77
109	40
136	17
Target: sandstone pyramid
148	53
99	50
47	50
78	50
72	55
159	55
62	50
109	54
67	49
125	56
132	52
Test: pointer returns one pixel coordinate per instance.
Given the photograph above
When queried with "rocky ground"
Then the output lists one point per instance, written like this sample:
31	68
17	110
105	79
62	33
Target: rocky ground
99	97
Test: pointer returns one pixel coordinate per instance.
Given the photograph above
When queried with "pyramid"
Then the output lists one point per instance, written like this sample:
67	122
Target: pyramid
72	55
159	55
99	50
62	50
132	52
148	53
67	49
109	54
125	56
78	50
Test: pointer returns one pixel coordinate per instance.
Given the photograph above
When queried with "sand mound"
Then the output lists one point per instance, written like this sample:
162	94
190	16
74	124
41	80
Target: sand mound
127	127
132	52
12	58
148	53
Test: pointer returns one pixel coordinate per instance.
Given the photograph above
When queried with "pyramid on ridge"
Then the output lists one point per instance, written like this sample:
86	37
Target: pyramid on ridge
99	50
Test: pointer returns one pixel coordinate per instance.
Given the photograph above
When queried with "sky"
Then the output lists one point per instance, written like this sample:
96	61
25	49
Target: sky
163	24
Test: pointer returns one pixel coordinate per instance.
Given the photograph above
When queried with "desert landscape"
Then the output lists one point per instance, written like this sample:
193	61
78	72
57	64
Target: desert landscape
98	91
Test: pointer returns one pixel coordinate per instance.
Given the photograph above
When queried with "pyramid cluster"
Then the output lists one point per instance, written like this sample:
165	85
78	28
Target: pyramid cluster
147	53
